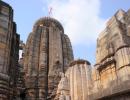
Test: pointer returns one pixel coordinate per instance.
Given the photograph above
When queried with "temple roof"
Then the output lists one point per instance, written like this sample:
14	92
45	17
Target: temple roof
79	61
47	21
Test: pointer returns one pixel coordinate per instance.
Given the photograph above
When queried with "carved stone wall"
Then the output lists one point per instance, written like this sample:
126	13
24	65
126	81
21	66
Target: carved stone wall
45	73
76	84
111	75
20	80
14	66
9	53
47	53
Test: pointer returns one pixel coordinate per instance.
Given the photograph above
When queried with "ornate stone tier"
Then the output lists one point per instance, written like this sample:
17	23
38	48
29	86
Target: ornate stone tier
104	63
79	61
117	89
4	86
111	76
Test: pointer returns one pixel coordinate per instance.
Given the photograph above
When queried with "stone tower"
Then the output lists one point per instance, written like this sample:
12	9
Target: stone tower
76	83
111	76
9	53
48	52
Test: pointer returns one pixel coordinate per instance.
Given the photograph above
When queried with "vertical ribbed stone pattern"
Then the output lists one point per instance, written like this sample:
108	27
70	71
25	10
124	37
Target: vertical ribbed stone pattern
4	49
67	51
80	80
48	51
76	83
9	50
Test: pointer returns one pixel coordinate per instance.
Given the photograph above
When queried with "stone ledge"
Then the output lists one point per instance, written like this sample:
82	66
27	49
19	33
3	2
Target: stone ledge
4	77
79	61
114	89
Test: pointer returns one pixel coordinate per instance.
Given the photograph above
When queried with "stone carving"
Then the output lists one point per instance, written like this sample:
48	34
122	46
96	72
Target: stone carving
45	73
47	52
63	89
76	83
112	70
9	50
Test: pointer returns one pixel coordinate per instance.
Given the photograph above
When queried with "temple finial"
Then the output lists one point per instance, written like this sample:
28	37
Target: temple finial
50	11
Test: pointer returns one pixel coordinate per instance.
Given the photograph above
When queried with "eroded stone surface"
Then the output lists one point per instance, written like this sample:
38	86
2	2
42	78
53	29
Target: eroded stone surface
44	72
76	83
48	52
112	70
9	49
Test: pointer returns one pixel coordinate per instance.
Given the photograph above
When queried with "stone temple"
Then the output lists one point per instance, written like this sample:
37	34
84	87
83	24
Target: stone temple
48	52
47	69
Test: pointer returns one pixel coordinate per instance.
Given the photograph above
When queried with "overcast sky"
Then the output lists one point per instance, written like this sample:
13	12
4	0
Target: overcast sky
82	20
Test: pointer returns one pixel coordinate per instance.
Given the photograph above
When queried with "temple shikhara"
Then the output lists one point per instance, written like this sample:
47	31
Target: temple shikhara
47	69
